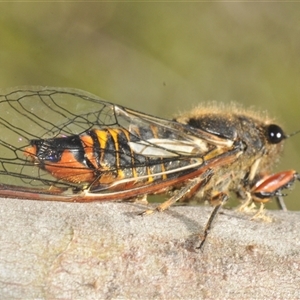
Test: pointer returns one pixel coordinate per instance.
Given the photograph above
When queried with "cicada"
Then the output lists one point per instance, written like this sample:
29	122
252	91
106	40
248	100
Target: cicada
61	144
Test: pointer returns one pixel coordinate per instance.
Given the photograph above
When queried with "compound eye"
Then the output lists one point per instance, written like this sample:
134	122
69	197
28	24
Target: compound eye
275	134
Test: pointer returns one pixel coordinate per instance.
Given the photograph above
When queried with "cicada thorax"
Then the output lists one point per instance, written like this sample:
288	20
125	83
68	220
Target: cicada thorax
103	158
261	140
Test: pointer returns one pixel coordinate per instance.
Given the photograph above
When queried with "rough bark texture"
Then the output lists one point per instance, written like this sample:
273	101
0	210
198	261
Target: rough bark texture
54	250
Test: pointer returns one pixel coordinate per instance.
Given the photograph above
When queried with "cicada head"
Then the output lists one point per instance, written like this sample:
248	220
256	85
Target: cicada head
261	137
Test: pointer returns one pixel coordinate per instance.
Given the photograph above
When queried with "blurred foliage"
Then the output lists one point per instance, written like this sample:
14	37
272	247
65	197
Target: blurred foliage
162	58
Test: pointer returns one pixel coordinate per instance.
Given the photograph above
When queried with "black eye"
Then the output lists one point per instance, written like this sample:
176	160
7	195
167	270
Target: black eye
275	134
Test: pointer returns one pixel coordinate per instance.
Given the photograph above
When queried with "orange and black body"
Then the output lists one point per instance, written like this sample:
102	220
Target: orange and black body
103	158
68	145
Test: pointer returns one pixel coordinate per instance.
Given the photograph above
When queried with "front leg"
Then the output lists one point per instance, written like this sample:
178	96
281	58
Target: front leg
272	185
266	188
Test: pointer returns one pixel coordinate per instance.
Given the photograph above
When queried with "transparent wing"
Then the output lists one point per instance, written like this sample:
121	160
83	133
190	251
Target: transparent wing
45	113
36	113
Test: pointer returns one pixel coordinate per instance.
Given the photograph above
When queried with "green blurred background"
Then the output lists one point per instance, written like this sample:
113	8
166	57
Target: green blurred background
162	58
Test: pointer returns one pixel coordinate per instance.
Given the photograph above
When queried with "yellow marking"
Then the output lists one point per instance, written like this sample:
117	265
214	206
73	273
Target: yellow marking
163	170
135	130
102	138
154	131
88	144
213	154
150	177
162	173
114	134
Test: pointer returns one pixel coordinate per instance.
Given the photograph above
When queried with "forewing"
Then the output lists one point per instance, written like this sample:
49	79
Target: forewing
43	113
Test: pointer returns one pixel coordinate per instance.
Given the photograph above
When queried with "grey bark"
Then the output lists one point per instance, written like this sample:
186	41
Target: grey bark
51	250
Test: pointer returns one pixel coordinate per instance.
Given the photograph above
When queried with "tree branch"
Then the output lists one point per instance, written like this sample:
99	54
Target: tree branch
106	250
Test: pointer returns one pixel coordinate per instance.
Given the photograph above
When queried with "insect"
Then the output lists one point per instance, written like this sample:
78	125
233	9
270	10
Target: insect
68	145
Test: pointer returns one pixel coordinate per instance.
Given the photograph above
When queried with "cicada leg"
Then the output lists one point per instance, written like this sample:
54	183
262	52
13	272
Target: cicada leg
188	191
271	186
280	203
184	193
247	205
268	187
221	199
140	200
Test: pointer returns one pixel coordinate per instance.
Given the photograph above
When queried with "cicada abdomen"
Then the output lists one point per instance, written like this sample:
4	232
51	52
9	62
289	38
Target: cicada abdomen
110	158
